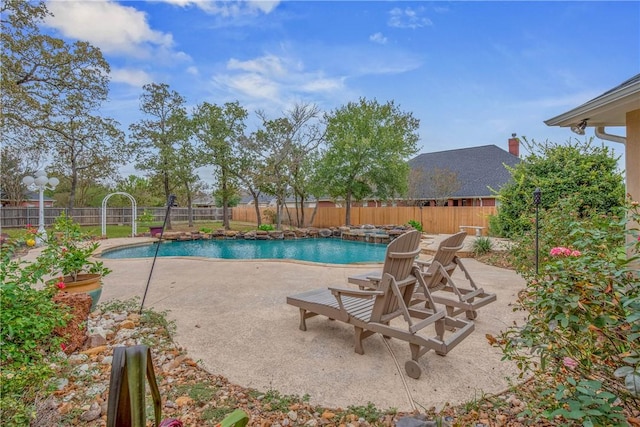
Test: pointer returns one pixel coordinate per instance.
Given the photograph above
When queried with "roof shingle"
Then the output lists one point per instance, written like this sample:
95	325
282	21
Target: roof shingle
478	168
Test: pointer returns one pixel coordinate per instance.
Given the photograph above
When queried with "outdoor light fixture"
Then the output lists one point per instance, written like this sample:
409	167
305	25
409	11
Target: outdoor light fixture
579	128
41	182
537	198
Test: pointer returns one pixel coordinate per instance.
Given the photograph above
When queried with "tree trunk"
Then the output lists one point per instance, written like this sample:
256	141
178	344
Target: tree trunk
225	200
347	218
313	215
257	208
189	209
166	194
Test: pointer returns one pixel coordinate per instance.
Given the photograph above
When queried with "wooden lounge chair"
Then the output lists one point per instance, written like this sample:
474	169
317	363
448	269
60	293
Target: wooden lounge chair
387	310
436	276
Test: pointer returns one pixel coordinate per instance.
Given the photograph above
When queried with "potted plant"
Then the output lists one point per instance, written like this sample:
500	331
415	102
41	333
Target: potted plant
68	257
146	219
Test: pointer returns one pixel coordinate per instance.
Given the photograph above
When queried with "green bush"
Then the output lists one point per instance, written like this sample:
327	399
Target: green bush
415	224
581	337
28	319
482	245
593	179
266	227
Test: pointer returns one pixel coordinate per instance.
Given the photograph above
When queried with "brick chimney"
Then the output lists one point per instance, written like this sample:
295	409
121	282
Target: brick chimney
514	145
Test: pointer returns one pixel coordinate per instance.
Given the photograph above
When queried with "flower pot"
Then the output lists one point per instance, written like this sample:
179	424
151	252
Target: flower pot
155	229
88	283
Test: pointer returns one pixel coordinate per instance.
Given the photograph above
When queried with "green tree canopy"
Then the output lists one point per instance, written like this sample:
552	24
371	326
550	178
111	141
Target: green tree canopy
157	137
368	145
576	170
218	130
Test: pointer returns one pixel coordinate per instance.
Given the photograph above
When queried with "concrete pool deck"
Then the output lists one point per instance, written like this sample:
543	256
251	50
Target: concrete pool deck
232	317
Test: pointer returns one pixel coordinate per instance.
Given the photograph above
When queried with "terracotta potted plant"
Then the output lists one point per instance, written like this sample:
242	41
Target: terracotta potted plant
68	257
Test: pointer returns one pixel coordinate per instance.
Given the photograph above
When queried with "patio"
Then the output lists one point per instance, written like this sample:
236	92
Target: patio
232	316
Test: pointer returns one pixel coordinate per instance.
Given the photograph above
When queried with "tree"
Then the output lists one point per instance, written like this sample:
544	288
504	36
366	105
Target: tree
50	92
15	164
368	145
87	147
575	170
157	137
140	188
250	170
39	72
288	145
442	184
219	129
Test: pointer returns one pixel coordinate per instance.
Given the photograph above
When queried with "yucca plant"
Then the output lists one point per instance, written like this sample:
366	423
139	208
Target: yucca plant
126	406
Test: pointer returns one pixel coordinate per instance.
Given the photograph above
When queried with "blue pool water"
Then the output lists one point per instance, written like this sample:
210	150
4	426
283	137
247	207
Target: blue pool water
331	251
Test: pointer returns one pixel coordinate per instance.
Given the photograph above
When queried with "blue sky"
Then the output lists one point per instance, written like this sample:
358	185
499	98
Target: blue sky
472	72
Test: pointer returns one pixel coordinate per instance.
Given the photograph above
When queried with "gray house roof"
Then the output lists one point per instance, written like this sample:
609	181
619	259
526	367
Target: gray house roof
477	168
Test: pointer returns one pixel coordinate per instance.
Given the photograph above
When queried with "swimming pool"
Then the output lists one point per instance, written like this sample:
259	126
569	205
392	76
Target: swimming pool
330	251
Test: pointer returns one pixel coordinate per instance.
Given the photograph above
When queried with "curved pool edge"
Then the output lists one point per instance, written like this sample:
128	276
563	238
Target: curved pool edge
150	240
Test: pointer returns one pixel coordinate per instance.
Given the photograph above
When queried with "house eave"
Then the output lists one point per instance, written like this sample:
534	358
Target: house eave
608	109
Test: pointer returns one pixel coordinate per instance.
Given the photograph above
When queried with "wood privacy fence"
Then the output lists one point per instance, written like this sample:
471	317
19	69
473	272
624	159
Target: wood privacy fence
12	217
445	220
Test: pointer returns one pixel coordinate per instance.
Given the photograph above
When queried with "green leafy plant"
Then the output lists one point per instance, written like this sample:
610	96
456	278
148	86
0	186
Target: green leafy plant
28	319
582	332
147	219
415	224
266	227
482	245
68	251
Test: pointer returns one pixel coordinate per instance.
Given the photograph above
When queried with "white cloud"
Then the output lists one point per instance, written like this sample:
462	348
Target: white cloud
229	8
378	38
136	78
408	18
114	28
276	80
323	85
269	64
252	85
193	71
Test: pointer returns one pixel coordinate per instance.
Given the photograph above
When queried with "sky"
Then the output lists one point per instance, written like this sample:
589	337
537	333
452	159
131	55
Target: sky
472	72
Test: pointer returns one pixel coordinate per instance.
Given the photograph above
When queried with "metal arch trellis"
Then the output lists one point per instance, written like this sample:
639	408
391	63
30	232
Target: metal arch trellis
134	210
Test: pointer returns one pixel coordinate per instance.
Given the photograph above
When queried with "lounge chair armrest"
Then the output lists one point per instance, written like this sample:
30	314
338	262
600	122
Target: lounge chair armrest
355	292
422	264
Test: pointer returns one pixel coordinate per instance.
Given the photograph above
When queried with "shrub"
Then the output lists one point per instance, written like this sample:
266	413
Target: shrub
582	330
266	227
27	320
415	224
482	245
593	178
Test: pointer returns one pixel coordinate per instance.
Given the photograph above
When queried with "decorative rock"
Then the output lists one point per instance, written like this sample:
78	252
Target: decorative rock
96	340
311	423
92	414
325	232
94	350
127	324
293	415
78	358
61	383
327	415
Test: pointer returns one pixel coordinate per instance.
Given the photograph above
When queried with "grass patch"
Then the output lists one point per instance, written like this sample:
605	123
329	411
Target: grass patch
114	231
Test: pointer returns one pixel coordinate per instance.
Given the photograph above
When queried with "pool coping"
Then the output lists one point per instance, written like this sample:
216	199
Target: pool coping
150	240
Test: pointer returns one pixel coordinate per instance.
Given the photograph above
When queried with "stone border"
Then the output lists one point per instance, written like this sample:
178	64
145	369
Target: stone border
368	233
